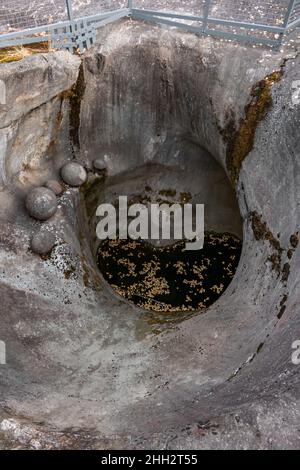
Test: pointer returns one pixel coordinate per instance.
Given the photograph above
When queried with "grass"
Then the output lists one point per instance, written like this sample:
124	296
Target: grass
16	53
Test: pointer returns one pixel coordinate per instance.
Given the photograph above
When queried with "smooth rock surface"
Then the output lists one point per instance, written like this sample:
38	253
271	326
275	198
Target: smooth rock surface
99	164
41	77
42	242
41	203
33	110
74	174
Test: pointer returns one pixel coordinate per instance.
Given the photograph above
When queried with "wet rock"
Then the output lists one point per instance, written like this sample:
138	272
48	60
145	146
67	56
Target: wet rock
41	203
42	242
55	186
74	174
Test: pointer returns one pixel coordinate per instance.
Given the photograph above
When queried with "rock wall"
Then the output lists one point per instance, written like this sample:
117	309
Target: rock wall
32	110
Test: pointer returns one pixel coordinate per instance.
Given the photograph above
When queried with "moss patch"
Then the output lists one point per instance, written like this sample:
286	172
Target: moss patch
168	192
240	141
294	240
185	198
14	54
262	232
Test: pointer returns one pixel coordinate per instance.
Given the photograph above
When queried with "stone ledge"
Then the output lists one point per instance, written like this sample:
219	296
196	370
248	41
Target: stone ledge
31	82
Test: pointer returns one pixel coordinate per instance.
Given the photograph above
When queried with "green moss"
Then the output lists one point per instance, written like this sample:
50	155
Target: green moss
240	142
16	53
6	59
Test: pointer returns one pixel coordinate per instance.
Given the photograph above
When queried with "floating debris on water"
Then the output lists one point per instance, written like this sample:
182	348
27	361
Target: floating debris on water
170	279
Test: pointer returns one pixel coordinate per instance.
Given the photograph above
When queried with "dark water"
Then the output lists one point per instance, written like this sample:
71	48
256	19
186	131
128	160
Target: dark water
170	279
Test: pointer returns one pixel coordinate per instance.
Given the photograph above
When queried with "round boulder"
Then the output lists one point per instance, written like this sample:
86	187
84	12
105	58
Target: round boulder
42	242
73	174
55	186
41	203
99	164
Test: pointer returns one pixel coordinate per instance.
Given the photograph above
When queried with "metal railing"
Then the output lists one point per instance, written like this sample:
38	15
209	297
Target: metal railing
72	24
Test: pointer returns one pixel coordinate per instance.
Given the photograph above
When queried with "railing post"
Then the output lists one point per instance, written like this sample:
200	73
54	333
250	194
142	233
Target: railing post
130	4
71	18
205	15
70	10
287	20
289	13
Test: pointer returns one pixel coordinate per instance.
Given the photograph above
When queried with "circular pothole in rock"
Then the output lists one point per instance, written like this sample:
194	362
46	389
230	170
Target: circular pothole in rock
170	279
164	275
